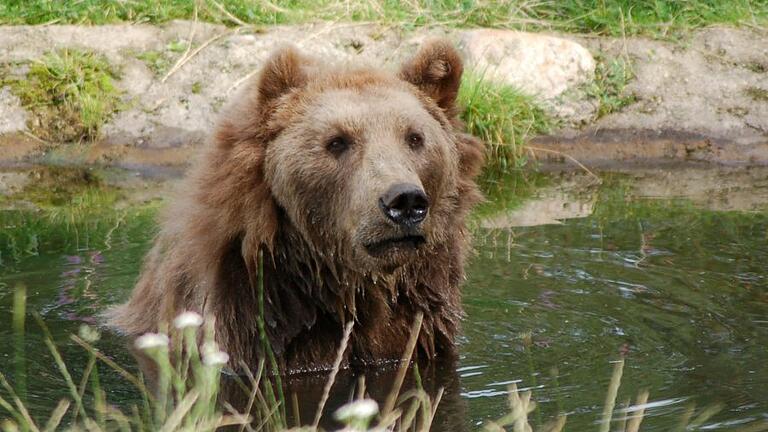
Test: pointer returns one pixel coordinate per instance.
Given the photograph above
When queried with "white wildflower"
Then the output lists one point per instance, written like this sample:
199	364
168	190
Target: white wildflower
151	340
357	411
215	358
188	319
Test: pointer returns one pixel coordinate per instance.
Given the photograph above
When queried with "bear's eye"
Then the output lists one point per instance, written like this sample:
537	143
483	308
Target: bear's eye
337	145
415	140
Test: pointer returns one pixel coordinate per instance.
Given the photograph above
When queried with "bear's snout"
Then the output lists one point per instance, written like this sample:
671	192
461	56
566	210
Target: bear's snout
405	204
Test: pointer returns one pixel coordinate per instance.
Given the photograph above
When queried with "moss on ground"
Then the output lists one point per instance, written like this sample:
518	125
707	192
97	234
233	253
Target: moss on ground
757	94
70	93
160	62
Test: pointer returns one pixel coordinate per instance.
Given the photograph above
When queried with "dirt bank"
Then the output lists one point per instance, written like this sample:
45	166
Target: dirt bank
702	100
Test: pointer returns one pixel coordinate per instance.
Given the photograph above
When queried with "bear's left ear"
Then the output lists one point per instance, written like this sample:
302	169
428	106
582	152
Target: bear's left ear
436	70
285	70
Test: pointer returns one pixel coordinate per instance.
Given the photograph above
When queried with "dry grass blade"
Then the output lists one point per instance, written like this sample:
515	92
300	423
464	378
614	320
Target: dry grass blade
556	425
84	382
268	416
122	422
174	420
57	415
521	405
634	422
436	403
191	40
225	421
22	410
404	363
62	367
8	407
610	398
226	13
704	416
254	381
273	7
241	419
187	57
240	81
124	373
760	426
598	180
622	427
334	371
91	426
296	411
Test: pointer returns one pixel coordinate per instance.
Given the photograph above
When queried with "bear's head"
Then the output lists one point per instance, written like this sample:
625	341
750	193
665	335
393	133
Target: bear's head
369	168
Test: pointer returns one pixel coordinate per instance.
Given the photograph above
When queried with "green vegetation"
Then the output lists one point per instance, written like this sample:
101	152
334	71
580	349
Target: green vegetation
660	18
71	94
503	117
185	388
159	62
757	94
156	61
185	394
609	85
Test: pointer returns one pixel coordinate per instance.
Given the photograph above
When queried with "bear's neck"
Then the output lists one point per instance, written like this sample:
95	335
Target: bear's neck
304	289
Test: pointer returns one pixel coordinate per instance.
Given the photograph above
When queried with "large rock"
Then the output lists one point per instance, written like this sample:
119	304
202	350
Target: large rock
541	65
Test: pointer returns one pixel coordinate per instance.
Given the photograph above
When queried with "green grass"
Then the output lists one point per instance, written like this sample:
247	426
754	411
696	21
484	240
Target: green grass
757	94
159	62
70	93
659	18
609	85
504	118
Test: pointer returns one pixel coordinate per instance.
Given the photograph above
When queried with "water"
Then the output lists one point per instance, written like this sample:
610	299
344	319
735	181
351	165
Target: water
668	271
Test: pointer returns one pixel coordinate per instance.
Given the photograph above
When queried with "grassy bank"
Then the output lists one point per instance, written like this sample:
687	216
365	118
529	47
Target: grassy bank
70	93
658	18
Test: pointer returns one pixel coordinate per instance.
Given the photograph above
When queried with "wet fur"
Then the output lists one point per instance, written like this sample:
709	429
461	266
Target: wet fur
206	256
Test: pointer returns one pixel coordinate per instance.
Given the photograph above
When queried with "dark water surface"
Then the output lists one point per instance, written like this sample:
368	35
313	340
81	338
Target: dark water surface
668	271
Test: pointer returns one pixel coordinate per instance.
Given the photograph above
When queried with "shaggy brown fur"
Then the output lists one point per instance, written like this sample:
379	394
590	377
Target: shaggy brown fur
294	174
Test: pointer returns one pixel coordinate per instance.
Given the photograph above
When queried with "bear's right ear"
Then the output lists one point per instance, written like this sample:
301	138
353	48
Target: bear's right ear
436	70
285	70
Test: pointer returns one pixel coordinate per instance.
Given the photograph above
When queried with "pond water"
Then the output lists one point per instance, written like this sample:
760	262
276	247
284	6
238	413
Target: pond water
665	270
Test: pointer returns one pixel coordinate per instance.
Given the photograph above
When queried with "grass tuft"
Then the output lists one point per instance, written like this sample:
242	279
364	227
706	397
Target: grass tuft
503	117
656	18
757	94
71	94
609	85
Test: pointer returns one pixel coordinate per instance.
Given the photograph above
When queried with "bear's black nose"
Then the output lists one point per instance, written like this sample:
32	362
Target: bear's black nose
405	204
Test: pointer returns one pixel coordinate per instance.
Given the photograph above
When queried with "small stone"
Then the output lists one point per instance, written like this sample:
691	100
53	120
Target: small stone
541	65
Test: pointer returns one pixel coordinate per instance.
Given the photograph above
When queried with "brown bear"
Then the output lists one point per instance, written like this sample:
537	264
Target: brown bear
351	186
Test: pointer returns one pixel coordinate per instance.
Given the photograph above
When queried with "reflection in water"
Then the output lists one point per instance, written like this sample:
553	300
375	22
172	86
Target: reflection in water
634	269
